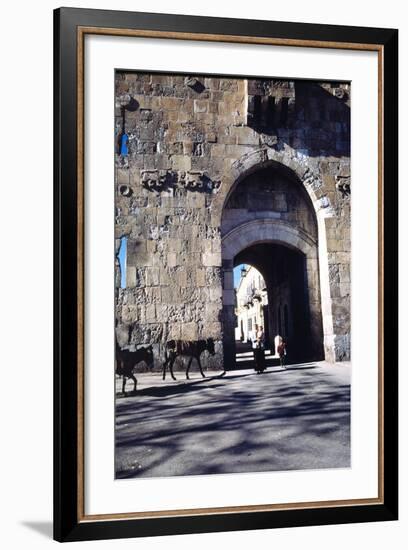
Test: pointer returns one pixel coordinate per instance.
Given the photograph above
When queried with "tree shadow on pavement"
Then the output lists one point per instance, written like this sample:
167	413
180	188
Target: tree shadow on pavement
246	423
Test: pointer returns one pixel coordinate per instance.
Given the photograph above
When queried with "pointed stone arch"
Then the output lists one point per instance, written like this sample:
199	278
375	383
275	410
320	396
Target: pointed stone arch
288	161
290	164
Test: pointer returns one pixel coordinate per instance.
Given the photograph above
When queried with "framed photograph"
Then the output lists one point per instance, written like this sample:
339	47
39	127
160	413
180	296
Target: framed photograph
225	274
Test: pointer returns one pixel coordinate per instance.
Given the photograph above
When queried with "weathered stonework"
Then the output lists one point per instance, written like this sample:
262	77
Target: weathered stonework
193	143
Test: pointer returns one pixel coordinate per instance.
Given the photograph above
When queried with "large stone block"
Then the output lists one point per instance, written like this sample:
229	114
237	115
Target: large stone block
174	331
237	151
212	312
246	136
189	331
152	276
171	103
218	150
165	278
131	279
344	273
182	277
215	293
181	162
200	106
335	245
213	330
200	277
211	259
171	295
122	334
152	295
130	314
342	347
171	259
150	313
196	200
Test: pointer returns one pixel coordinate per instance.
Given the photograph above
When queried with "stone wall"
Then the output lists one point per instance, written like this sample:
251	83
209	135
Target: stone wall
190	140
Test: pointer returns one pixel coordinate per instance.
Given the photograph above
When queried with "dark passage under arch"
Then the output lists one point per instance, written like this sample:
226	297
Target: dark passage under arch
287	312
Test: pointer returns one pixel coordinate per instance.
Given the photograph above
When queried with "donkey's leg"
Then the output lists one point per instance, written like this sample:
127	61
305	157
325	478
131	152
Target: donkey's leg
132	376
123	384
171	367
188	368
164	368
199	366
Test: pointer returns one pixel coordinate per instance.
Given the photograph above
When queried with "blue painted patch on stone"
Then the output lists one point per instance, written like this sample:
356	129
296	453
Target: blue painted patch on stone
124	140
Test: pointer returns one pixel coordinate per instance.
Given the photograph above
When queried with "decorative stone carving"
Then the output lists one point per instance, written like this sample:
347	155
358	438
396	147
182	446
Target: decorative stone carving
193	83
269	140
343	185
198	181
340	93
125	190
312	181
157	179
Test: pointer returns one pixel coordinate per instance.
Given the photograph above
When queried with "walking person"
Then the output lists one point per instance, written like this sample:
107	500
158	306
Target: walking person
261	344
259	350
282	353
254	346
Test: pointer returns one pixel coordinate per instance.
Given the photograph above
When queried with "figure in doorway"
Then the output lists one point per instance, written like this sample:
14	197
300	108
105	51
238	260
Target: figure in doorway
259	350
282	352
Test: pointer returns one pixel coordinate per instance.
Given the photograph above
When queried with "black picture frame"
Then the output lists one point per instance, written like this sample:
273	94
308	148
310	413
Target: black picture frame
68	525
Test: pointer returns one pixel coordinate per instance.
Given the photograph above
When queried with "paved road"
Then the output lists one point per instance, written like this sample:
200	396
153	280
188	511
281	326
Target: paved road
292	419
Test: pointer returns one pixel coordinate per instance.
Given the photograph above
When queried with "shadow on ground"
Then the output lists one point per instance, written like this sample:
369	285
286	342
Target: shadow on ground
282	420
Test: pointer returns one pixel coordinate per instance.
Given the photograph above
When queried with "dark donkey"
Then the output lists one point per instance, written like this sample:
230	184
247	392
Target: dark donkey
193	349
127	360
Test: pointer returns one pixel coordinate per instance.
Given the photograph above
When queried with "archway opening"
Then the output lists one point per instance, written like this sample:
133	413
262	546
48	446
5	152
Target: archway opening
272	292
